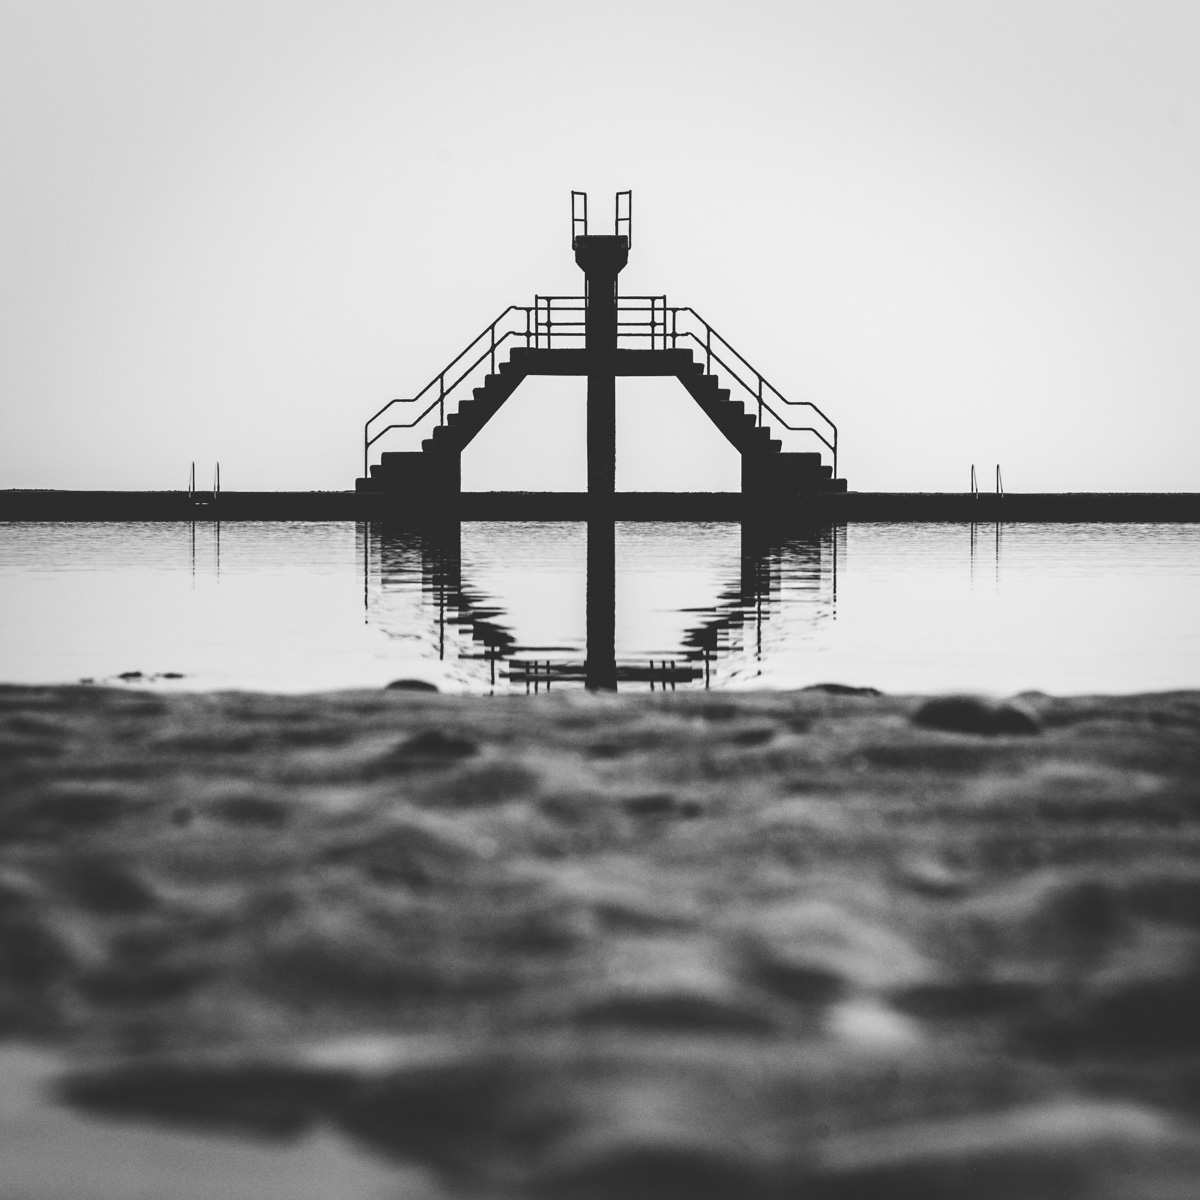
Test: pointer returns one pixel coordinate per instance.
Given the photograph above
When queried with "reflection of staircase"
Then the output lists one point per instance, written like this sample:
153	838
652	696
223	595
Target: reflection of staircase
732	625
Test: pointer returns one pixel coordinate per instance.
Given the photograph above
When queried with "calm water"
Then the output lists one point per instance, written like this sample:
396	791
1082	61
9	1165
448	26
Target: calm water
290	607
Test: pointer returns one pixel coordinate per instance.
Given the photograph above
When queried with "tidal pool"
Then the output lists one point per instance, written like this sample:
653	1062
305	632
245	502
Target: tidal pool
306	606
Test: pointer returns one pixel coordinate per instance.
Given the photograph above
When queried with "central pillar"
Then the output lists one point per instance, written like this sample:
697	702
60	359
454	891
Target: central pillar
601	258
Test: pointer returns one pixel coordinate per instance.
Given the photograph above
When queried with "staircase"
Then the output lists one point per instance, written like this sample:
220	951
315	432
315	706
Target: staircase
765	468
437	467
435	470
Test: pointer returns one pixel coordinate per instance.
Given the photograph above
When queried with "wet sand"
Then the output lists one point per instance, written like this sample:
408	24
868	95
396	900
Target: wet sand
707	945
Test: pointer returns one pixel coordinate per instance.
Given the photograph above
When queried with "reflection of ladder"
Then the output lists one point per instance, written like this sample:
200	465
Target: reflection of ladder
664	673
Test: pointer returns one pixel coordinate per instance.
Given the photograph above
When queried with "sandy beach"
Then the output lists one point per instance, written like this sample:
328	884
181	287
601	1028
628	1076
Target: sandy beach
735	946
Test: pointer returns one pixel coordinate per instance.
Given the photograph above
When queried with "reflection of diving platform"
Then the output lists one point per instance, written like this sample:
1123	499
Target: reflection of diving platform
665	673
590	336
471	626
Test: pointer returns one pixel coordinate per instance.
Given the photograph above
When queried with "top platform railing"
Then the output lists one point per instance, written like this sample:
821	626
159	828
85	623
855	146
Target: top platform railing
559	322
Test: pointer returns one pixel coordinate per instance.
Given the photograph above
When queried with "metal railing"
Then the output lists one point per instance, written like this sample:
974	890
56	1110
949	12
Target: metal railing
559	322
765	395
623	216
650	318
435	393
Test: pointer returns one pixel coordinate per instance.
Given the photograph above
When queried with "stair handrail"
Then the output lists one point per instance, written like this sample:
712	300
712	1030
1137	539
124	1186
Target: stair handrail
439	380
659	313
765	405
663	323
761	383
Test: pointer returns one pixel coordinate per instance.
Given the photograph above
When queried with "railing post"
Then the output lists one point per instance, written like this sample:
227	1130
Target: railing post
707	348
442	398
760	400
493	349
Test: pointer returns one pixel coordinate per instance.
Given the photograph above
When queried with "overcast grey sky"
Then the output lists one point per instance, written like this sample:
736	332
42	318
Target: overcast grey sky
969	231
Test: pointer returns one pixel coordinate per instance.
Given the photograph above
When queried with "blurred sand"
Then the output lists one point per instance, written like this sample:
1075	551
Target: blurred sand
699	945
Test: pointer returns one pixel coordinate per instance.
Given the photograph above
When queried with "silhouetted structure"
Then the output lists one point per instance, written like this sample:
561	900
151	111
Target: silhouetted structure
620	336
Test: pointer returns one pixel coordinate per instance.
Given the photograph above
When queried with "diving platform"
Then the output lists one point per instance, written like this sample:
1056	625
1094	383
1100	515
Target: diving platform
600	336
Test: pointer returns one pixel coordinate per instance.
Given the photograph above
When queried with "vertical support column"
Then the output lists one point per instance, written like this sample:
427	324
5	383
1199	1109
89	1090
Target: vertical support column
601	436
601	259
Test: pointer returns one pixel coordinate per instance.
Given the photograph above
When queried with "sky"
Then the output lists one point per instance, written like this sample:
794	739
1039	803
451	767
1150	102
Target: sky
969	231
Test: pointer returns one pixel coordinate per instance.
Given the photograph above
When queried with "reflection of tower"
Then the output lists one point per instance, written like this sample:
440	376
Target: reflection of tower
433	555
441	573
601	665
768	560
781	575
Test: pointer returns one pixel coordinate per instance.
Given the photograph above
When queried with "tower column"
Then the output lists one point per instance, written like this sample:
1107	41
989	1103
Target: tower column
601	259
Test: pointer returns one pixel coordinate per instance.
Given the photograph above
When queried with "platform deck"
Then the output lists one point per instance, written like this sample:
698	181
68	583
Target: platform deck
45	505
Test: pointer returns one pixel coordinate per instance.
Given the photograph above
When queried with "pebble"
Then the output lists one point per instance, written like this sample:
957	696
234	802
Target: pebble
976	714
427	749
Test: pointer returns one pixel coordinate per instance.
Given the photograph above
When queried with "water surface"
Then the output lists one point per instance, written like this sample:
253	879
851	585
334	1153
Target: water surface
902	607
